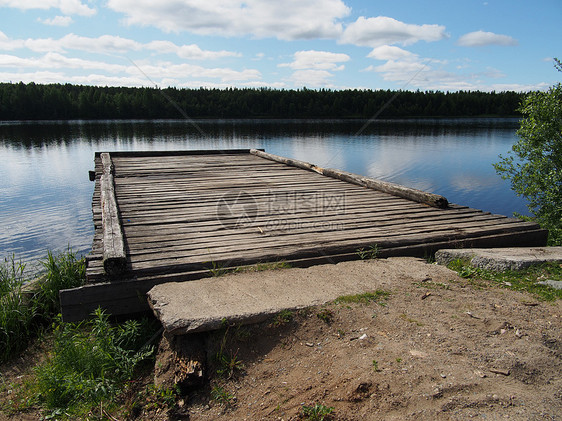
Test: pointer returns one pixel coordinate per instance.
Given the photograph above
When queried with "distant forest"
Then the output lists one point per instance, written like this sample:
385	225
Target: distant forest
20	101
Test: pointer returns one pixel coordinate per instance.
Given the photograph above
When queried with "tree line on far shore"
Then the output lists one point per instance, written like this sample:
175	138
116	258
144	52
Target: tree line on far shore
31	101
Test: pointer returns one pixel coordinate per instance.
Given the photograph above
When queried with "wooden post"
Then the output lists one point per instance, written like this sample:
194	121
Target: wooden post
415	195
114	256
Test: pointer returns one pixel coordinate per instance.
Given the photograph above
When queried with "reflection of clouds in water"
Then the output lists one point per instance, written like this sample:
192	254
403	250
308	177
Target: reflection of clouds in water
471	182
316	150
33	233
46	200
395	166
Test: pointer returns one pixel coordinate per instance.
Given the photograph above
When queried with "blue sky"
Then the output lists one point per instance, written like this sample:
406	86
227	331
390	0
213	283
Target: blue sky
444	45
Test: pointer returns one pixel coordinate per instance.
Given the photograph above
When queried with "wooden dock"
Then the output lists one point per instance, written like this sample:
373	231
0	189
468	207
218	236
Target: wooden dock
182	215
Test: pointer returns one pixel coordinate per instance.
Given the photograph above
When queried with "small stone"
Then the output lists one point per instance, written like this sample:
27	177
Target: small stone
501	371
419	354
363	336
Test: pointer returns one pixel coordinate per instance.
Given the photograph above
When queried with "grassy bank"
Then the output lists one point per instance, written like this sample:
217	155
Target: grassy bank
87	364
28	305
528	279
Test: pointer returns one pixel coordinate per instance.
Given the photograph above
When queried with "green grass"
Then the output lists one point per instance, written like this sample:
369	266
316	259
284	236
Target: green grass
317	412
15	313
369	253
326	315
227	363
218	269
90	363
377	296
523	280
260	267
25	309
63	271
222	396
283	317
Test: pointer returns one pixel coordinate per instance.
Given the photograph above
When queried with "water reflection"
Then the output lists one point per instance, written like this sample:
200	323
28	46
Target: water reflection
45	195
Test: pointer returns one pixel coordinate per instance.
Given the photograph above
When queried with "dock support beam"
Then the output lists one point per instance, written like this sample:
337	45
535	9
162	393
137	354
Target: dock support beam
419	196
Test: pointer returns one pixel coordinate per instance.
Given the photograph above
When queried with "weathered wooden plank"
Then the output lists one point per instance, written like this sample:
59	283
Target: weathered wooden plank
272	254
274	205
247	246
373	217
210	236
330	242
114	255
385	186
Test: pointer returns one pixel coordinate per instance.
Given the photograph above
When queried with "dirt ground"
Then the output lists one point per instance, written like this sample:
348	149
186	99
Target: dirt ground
440	347
437	347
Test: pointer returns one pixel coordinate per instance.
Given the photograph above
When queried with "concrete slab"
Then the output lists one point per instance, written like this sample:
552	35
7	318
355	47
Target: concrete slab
552	283
500	259
251	297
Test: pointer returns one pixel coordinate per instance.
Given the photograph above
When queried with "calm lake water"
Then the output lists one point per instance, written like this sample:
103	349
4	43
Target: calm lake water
45	194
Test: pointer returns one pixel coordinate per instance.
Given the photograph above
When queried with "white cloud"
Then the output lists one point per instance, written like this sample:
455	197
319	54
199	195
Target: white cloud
318	60
57	61
67	7
62	77
492	73
423	74
7	44
57	21
481	39
288	20
314	68
312	78
518	87
185	70
191	51
101	44
154	71
110	44
382	30
387	52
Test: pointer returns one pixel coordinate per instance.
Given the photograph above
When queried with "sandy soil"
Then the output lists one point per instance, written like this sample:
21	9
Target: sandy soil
438	347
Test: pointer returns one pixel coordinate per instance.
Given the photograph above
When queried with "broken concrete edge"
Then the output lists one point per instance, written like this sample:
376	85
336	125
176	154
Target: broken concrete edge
501	259
215	323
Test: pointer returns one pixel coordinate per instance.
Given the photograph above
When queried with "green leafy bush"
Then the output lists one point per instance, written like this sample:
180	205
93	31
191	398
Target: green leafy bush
91	361
534	165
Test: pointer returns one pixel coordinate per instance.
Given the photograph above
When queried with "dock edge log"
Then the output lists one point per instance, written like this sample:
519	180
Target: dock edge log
114	255
415	195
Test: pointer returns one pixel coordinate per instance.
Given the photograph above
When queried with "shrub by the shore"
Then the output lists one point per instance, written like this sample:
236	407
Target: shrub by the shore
28	305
